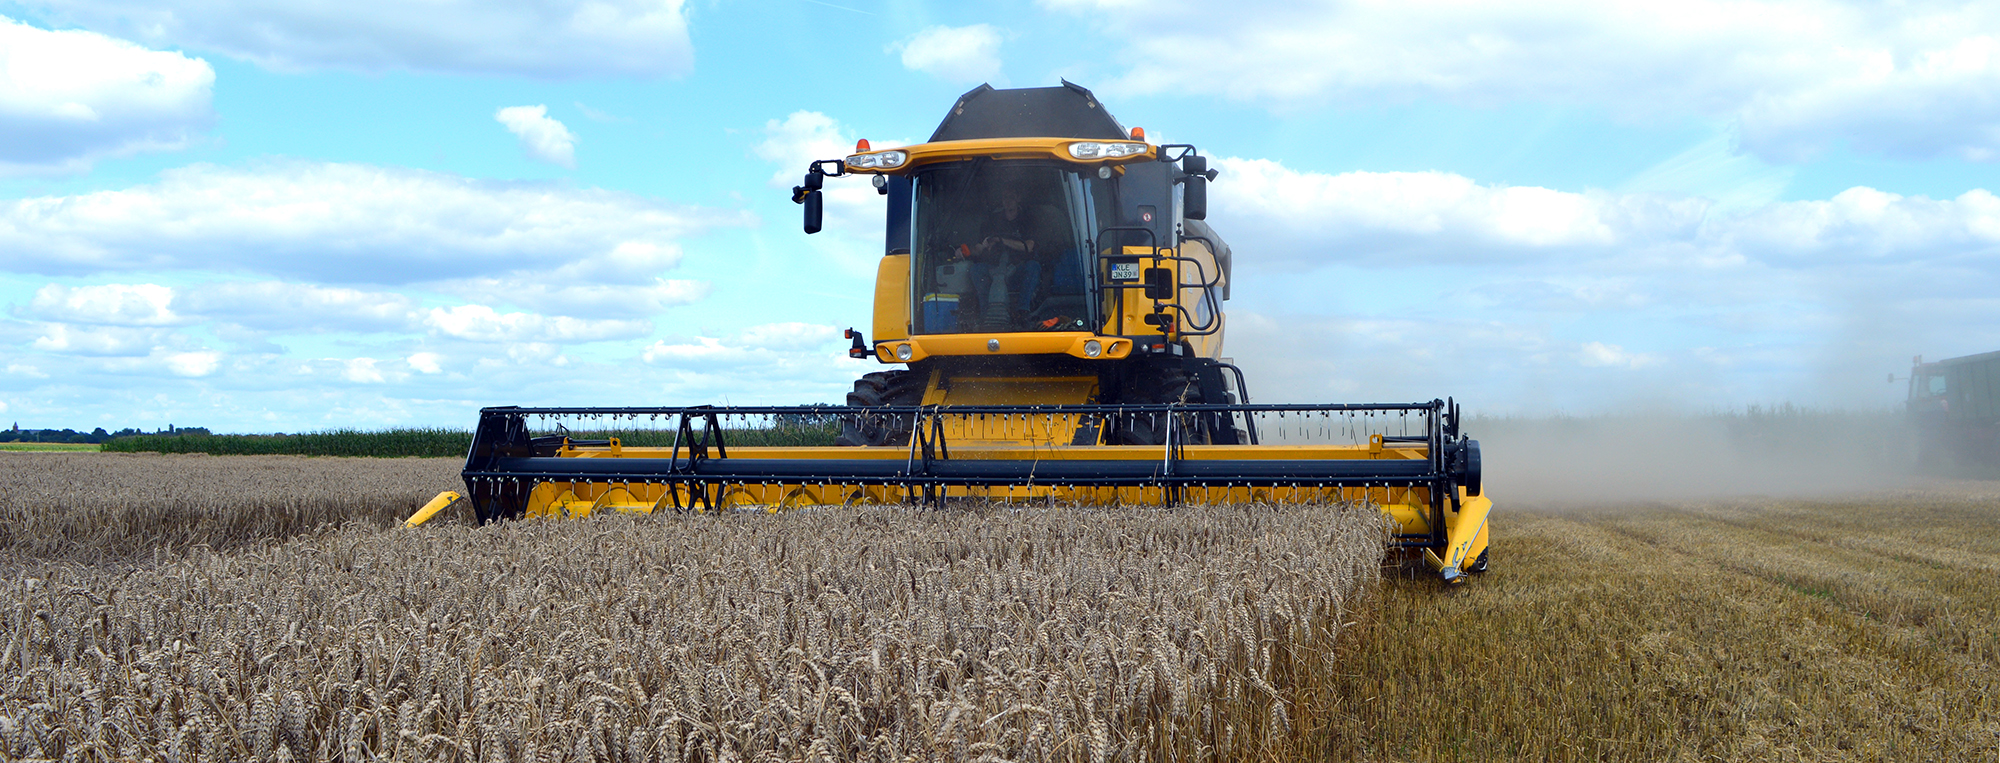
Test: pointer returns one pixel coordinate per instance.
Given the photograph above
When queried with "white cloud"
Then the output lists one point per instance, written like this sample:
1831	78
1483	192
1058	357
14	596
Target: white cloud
701	349
789	360
361	371
1406	279
1863	224
535	38
193	363
609	285
804	137
1398	219
544	139
348	223
426	363
768	343
98	340
480	323
68	98
536	354
1796	75
790	336
260	306
852	235
566	295
1405	217
281	306
110	304
959	55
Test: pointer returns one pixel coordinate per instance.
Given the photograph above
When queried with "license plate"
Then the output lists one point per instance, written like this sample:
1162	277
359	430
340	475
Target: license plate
1124	271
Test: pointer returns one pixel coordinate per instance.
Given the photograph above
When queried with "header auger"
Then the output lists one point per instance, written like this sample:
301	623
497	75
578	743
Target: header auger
1049	300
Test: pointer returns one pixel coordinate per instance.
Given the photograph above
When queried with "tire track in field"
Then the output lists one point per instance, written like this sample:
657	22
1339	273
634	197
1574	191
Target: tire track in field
1929	615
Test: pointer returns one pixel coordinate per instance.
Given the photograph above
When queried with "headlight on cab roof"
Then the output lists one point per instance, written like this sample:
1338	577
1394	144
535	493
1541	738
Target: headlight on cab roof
880	160
1097	150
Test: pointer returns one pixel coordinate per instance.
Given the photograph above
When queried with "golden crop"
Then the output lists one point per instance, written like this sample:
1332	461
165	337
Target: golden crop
81	506
1859	628
980	633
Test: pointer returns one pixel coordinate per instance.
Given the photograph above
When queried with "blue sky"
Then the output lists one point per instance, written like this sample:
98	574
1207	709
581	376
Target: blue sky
286	215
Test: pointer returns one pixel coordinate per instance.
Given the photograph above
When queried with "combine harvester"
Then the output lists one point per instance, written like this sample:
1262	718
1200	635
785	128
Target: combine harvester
1954	412
1052	300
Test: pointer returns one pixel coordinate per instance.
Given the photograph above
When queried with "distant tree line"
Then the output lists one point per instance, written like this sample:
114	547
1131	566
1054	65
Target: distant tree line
16	434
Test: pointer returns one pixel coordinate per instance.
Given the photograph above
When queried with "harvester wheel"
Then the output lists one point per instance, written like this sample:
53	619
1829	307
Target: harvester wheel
877	389
1242	435
1159	384
1480	565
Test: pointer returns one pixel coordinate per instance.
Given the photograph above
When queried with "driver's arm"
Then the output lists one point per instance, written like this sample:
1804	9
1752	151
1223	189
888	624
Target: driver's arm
1017	244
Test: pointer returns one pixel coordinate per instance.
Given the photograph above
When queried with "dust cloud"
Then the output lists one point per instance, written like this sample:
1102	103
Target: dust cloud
1594	461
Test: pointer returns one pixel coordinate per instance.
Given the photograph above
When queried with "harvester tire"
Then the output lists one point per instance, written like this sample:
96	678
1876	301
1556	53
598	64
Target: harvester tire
877	389
1242	435
1153	385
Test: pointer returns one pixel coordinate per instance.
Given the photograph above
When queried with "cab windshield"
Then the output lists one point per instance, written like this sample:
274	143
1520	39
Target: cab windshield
1003	247
1930	384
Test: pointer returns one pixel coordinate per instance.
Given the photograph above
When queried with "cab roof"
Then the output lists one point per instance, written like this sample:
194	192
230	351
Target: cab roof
1069	111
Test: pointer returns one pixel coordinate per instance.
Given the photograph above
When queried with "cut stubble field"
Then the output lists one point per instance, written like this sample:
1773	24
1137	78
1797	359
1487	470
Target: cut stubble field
267	608
1854	628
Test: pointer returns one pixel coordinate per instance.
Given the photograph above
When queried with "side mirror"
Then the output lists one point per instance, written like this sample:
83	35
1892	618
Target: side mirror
1159	283
815	211
1194	187
809	195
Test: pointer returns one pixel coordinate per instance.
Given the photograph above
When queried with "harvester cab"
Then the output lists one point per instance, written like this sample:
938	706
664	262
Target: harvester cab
1049	307
1038	252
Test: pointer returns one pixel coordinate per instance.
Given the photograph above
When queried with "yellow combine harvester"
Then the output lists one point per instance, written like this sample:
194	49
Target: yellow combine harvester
1052	301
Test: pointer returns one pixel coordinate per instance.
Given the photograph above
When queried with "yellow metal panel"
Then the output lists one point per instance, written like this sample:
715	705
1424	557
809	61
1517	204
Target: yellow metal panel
1040	343
1026	437
892	299
1468	534
431	509
933	388
1125	310
1066	390
991	430
579	499
993	451
1002	148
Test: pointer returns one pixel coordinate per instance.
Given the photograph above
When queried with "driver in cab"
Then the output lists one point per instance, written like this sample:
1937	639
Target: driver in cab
1008	244
1010	228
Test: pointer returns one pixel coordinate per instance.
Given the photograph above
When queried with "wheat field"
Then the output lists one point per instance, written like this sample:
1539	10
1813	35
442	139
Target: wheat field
243	612
977	633
106	506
